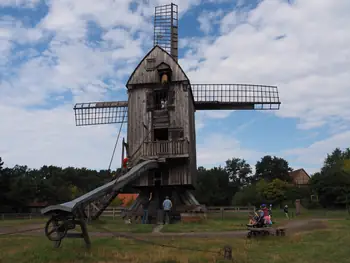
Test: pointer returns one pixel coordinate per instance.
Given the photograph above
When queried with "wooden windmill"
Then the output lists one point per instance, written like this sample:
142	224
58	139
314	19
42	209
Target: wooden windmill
160	115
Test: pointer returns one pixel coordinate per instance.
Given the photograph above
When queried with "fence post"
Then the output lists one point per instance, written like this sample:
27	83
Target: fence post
30	216
222	213
113	213
3	216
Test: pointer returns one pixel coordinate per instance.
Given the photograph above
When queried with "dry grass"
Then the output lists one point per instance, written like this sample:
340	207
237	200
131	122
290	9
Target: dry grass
314	246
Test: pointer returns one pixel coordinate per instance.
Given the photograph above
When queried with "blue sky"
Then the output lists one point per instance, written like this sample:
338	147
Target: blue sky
56	53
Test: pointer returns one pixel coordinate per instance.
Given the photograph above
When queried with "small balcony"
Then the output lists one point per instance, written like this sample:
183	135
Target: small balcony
166	149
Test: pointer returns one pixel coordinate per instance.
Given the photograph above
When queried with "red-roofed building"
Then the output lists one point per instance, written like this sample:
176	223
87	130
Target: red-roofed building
127	198
300	177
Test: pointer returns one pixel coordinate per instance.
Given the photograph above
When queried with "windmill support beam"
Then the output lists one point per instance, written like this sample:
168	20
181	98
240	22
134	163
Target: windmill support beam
235	97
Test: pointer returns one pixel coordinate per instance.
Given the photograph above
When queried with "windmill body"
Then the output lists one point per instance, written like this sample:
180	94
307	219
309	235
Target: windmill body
161	137
160	116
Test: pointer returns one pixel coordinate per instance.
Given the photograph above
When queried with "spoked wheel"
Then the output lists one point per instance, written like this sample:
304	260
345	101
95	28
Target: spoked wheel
55	229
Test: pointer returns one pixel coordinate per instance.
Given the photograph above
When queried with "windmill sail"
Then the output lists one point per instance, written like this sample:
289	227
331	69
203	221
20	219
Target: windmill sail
166	28
95	113
235	97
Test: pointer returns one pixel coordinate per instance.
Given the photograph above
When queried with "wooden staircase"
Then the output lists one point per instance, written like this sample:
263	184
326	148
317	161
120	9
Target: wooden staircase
160	119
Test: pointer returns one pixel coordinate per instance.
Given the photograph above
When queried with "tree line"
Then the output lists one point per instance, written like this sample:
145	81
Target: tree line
236	184
233	184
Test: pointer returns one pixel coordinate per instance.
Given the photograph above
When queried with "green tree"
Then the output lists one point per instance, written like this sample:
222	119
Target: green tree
116	202
239	171
332	183
1	164
214	187
270	168
336	160
274	191
247	196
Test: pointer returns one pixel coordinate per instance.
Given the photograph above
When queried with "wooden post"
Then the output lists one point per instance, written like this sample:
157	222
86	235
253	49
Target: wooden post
227	252
113	211
222	213
297	207
123	143
88	212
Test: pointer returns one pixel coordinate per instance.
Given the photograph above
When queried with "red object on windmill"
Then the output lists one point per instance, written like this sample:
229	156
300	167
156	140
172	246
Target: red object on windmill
125	162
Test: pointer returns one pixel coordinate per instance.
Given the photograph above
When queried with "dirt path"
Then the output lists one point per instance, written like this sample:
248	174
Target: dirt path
291	227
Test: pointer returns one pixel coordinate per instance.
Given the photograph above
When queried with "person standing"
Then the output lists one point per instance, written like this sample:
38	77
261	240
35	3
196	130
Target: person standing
167	205
285	210
270	213
145	205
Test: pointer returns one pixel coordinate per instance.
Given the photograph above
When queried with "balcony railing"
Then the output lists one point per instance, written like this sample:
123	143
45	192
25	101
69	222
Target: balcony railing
166	148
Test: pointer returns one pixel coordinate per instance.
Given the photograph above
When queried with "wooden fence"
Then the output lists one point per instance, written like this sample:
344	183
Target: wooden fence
211	210
14	216
115	212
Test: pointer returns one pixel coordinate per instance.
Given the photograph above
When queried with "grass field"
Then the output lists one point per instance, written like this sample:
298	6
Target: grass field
237	221
232	221
325	245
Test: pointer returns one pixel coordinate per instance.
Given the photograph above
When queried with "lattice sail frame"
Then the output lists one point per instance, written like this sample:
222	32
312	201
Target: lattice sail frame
235	96
95	113
166	28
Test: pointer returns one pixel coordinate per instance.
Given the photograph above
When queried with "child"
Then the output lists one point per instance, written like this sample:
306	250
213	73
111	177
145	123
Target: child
251	217
266	214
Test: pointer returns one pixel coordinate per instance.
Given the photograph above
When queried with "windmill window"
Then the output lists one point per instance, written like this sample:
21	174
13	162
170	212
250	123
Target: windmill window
161	134
164	78
150	64
177	134
160	99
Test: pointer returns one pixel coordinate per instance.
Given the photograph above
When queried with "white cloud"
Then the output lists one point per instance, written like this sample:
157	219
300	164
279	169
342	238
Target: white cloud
217	148
70	65
43	137
208	19
314	154
19	3
12	31
311	64
232	20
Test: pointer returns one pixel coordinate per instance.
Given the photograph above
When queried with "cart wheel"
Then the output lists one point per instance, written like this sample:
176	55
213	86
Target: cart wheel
55	229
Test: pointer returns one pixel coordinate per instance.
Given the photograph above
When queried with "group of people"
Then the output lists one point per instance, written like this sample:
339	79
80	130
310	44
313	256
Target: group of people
264	215
167	206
